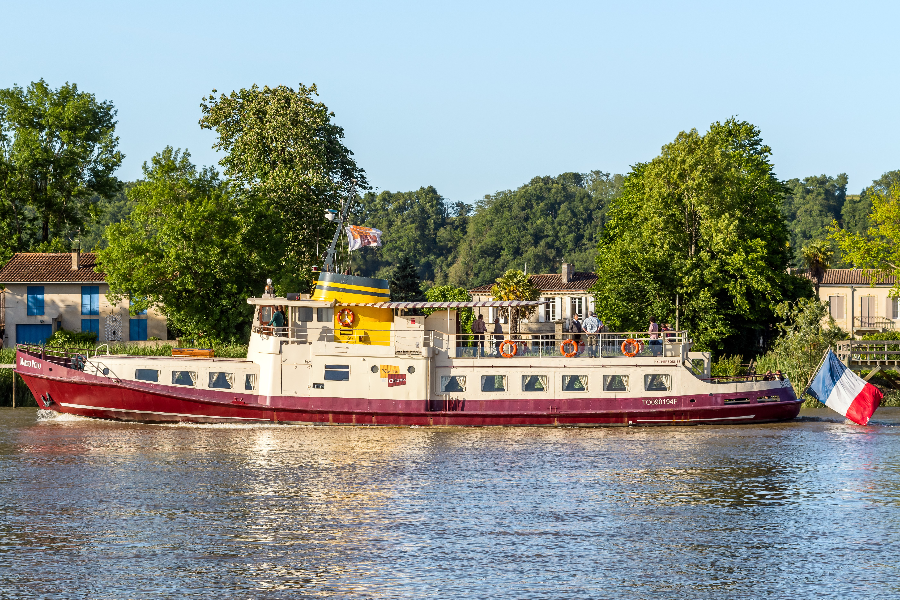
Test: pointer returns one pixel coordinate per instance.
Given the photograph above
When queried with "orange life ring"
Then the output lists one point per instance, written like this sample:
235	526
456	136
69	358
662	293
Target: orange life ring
631	343
345	317
562	348
505	354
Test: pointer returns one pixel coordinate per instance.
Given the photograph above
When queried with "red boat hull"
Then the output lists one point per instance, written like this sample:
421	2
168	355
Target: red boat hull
74	392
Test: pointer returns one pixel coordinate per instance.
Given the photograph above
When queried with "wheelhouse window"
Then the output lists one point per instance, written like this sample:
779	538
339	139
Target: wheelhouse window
250	382
184	378
35	299
146	374
493	383
90	300
615	383
657	383
265	314
221	380
453	383
325	315
337	372
304	314
534	383
574	383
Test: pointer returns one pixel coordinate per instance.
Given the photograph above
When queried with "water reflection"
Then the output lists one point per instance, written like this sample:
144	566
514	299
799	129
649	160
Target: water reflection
119	511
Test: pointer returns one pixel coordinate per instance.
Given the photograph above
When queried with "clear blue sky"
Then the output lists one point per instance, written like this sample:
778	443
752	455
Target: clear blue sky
478	97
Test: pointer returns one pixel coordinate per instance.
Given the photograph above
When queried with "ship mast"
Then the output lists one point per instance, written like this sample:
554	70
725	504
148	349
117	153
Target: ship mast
345	206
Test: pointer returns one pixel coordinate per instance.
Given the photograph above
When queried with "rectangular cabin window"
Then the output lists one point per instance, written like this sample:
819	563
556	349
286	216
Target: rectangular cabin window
146	375
250	382
337	372
493	383
574	383
90	300
325	315
657	383
304	314
534	383
265	314
615	383
35	298
184	378
453	383
220	380
836	306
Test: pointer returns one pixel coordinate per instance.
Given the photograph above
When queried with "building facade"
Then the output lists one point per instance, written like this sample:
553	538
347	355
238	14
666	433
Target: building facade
856	305
567	293
46	292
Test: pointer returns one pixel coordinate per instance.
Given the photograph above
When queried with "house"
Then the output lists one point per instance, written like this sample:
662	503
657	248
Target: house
857	306
46	292
566	293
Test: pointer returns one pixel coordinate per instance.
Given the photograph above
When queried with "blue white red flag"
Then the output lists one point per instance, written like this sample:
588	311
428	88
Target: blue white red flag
843	391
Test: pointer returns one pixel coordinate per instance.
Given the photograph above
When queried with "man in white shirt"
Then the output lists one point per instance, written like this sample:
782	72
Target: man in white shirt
592	326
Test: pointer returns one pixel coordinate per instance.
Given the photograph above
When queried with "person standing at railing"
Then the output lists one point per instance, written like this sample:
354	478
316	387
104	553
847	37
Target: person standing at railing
592	327
479	329
498	335
577	330
277	322
653	330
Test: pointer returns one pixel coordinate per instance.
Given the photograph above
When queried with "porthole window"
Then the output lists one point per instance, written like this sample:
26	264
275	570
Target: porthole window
410	370
374	368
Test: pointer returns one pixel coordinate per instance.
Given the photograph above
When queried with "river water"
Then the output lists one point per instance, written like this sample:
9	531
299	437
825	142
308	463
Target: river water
92	509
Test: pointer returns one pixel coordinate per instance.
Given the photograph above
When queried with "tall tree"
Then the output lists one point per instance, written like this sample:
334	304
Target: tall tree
515	285
59	150
405	284
817	258
701	222
810	205
187	249
282	150
857	208
449	293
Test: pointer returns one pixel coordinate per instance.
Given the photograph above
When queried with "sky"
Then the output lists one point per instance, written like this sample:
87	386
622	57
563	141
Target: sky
474	98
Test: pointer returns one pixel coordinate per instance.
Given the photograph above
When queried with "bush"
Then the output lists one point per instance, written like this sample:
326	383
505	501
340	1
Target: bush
78	339
728	366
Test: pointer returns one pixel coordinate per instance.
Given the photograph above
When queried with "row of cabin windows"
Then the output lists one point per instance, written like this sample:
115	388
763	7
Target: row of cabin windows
301	314
868	307
656	382
218	380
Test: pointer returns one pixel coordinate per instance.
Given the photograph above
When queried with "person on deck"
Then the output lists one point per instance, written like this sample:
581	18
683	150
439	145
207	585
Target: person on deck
277	322
653	330
498	335
479	329
592	326
576	330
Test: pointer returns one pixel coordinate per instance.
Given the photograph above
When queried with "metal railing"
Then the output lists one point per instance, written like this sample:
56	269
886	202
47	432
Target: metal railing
869	352
600	345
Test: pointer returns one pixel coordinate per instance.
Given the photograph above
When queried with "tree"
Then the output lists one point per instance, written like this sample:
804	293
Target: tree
701	223
405	284
542	224
817	256
857	208
810	206
878	249
283	151
187	249
59	149
449	293
515	285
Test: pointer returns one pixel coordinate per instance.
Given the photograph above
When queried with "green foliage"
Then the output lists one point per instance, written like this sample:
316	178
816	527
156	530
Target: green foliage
515	285
189	249
106	212
420	224
58	149
405	284
728	366
817	258
857	208
449	293
72	339
701	221
809	207
542	224
802	342
284	153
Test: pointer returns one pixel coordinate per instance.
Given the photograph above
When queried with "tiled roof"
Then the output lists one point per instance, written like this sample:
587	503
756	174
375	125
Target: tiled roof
49	267
551	282
853	277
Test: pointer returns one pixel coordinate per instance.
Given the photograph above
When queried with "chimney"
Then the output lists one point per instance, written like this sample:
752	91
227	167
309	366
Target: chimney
567	272
76	260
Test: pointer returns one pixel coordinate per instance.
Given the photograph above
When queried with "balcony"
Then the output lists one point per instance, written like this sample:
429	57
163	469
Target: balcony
873	324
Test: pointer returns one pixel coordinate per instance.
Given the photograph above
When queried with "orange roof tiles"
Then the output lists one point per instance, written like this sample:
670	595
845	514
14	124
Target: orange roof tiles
551	282
50	267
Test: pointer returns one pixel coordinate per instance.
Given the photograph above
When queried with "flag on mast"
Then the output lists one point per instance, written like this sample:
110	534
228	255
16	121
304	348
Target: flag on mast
359	237
843	391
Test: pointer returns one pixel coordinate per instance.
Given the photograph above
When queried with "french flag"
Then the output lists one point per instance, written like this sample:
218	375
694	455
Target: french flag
843	391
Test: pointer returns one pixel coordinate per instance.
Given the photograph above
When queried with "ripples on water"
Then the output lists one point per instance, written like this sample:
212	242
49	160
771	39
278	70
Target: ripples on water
107	510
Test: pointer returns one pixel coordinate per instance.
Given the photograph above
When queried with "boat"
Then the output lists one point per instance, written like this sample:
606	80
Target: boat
347	355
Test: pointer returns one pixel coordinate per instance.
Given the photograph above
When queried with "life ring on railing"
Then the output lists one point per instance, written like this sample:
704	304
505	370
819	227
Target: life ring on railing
631	347
345	317
506	354
562	348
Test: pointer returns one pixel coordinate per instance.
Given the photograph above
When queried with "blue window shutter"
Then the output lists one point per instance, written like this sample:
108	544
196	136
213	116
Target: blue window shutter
35	297
95	300
91	325
90	300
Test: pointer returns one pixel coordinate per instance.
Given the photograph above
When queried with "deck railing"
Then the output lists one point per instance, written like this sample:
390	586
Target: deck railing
600	345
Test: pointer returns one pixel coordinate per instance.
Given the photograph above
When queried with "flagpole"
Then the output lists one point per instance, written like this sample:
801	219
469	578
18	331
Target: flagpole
329	258
816	372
